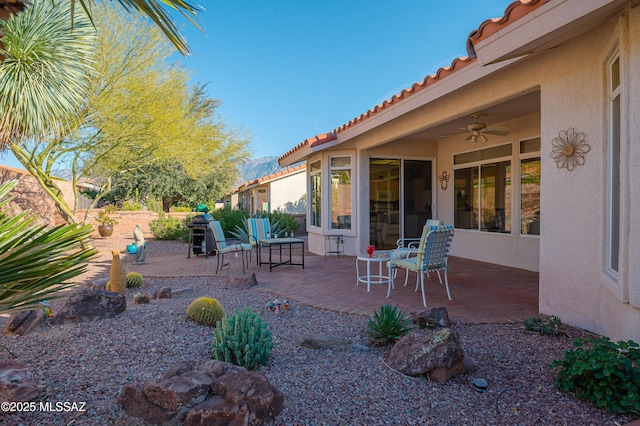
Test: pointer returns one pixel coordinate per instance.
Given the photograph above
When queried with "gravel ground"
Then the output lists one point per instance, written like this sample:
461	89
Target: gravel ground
91	362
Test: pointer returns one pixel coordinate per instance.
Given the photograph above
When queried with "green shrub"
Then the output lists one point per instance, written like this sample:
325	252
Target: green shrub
205	311
242	339
134	279
607	373
549	326
388	325
169	228
285	221
229	219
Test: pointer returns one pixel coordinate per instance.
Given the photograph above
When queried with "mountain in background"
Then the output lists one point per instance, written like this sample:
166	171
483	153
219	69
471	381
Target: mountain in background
253	169
257	168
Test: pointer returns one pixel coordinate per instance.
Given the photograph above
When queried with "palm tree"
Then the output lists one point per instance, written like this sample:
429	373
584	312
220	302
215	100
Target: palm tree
37	262
44	75
151	8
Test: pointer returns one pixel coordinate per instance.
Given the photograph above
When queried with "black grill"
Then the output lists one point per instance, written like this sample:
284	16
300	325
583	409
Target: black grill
200	232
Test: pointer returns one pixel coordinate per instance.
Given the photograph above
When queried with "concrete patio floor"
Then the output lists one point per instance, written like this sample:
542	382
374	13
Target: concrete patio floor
481	292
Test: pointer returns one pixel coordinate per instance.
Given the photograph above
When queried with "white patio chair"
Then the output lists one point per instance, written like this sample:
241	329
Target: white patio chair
408	247
432	256
223	248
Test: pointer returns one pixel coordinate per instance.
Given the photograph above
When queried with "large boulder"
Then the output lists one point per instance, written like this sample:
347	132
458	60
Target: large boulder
211	393
17	383
25	322
240	397
435	353
90	305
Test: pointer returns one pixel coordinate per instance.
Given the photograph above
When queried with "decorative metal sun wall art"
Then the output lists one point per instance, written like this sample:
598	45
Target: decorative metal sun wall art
444	179
569	149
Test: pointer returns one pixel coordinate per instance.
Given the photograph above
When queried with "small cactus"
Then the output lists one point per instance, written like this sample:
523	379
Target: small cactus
107	286
134	279
206	311
140	298
242	339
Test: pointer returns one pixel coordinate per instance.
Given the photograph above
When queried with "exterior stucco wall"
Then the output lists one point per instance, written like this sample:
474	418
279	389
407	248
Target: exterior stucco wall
288	194
574	283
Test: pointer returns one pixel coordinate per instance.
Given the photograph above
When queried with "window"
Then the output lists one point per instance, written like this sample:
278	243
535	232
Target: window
530	187
613	231
482	185
315	207
340	192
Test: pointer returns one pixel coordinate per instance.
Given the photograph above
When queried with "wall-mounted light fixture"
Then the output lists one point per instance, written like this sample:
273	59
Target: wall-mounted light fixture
444	179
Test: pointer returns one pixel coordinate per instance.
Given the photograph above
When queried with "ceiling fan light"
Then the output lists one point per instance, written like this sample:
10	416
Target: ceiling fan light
473	139
483	139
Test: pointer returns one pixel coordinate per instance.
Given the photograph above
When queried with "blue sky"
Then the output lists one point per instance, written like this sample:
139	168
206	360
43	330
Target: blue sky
289	70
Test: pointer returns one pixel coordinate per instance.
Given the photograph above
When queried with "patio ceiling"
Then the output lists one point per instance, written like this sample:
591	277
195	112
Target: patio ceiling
495	114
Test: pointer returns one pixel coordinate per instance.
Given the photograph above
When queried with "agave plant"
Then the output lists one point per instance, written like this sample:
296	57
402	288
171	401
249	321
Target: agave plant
387	325
37	262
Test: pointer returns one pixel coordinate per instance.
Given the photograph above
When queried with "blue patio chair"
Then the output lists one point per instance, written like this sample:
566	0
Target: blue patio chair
432	256
223	248
258	229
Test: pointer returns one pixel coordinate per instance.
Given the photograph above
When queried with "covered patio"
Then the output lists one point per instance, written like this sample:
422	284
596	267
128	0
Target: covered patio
481	292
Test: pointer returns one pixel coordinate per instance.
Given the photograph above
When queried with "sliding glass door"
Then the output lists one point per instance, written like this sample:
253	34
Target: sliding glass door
400	199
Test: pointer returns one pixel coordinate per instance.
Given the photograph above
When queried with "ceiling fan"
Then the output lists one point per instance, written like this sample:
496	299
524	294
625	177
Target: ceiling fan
478	130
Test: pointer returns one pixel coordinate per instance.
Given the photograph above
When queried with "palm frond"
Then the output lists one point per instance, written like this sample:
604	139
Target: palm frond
37	262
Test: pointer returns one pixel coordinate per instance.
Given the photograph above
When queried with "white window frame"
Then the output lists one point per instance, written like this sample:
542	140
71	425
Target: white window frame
526	156
310	175
613	166
478	165
327	193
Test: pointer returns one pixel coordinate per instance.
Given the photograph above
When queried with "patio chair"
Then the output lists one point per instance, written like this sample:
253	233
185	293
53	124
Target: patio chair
408	247
259	227
432	256
223	248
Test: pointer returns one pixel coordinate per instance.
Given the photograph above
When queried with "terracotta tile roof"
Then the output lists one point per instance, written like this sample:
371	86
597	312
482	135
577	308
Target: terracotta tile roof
272	176
457	64
311	142
513	12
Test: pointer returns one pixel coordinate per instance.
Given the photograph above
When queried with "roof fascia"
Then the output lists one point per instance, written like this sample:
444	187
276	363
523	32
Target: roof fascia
459	79
543	28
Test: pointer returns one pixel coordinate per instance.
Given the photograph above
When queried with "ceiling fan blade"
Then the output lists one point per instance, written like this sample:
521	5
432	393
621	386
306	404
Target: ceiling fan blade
452	134
496	132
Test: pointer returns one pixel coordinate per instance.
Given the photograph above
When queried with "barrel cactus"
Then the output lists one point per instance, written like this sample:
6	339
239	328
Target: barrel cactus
134	279
242	339
206	311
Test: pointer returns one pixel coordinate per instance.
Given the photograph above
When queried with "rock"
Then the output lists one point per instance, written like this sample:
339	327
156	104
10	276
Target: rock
163	293
136	404
141	298
90	305
16	383
25	322
244	283
186	389
436	316
436	353
323	341
210	393
214	411
252	398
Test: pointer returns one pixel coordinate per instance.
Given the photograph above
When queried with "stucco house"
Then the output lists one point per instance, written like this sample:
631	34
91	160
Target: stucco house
284	191
525	145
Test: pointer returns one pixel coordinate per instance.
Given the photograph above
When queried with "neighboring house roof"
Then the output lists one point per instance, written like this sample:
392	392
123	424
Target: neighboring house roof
273	176
513	12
